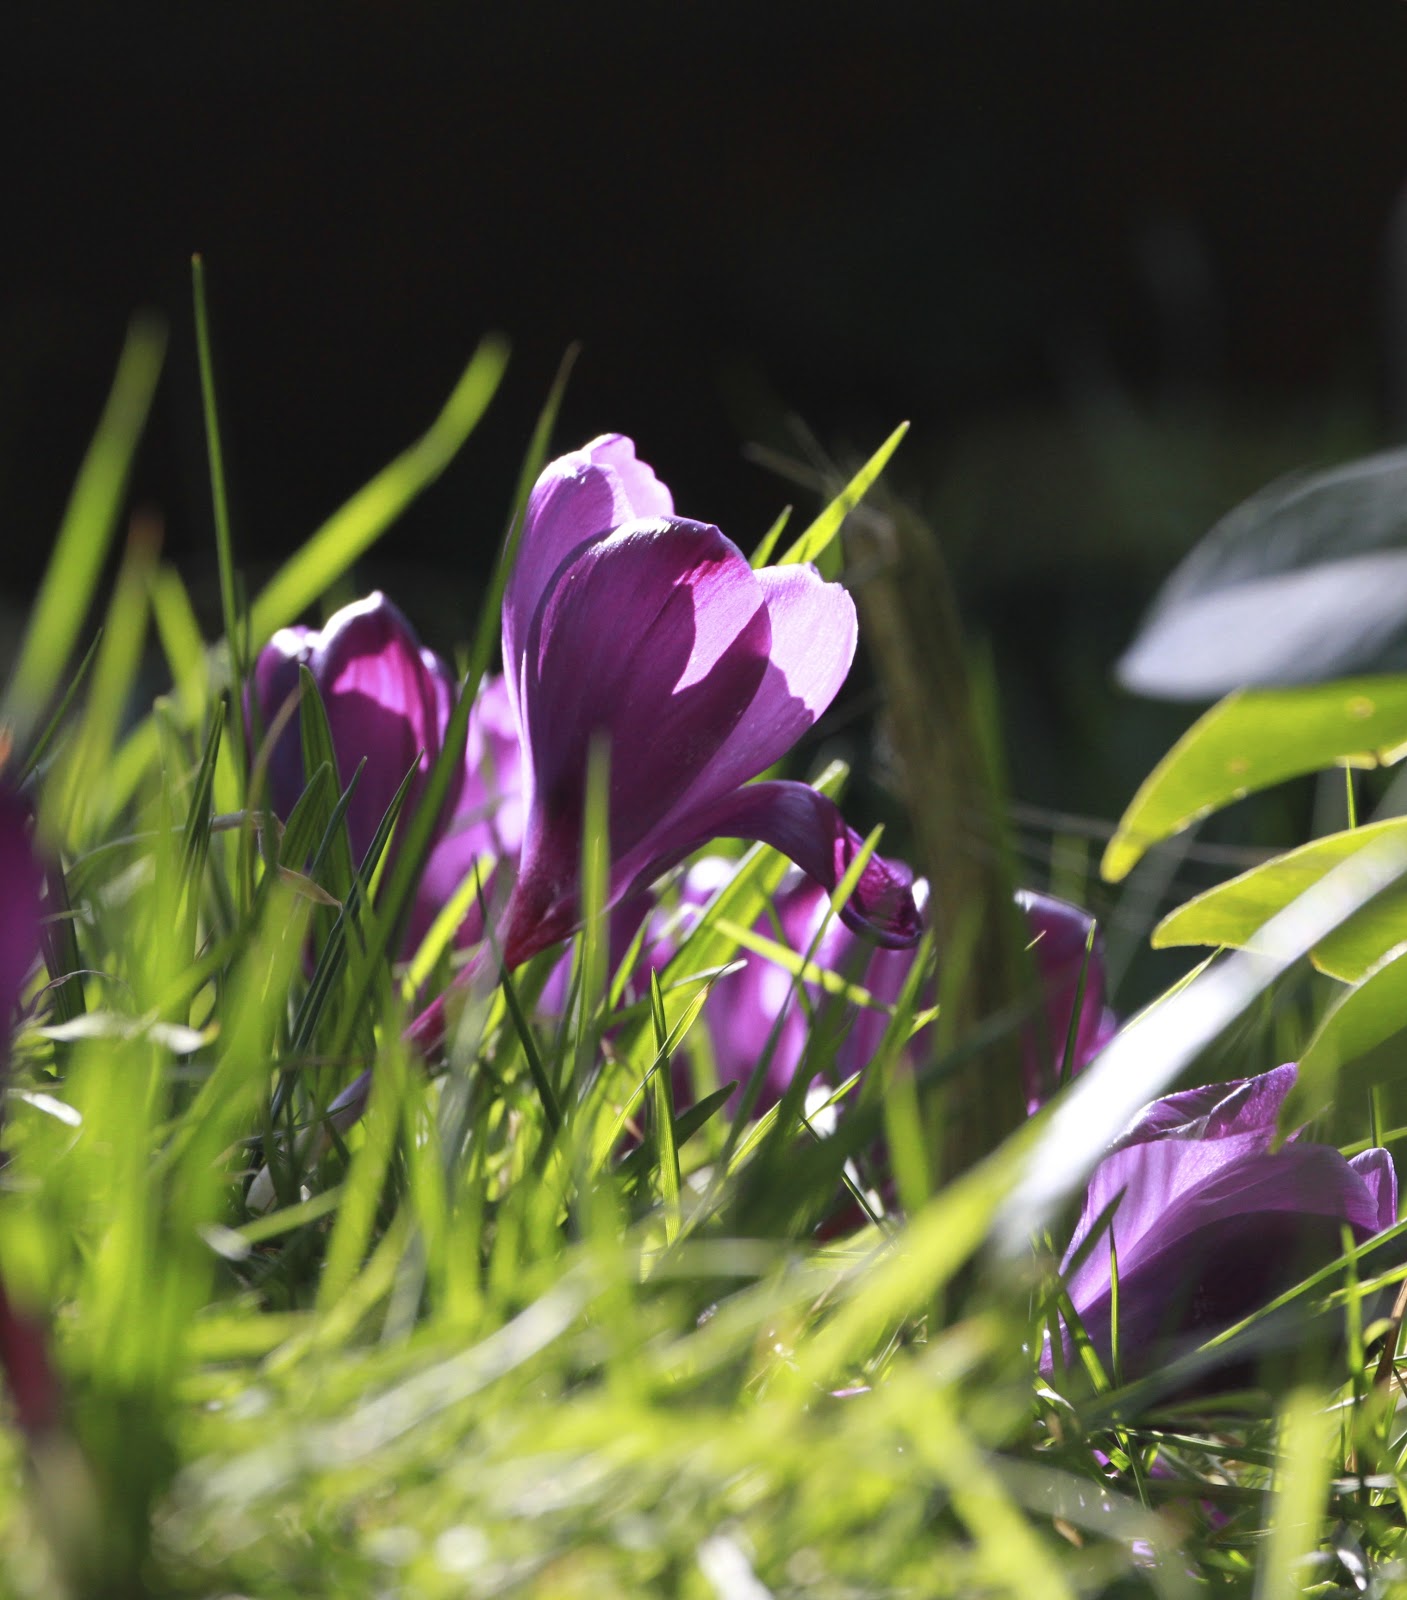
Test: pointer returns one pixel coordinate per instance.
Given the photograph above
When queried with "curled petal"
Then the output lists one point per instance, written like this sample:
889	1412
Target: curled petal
1379	1177
806	825
1215	1111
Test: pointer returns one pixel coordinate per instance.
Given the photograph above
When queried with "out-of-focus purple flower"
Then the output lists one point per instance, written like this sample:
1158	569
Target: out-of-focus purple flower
626	623
23	886
388	700
24	1356
1210	1224
1064	944
745	1007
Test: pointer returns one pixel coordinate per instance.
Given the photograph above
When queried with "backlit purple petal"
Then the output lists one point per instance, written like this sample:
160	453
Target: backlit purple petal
813	644
1379	1177
386	699
1215	1111
581	496
1209	1222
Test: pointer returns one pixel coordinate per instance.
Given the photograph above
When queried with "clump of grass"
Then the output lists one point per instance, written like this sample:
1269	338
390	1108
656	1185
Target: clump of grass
531	1327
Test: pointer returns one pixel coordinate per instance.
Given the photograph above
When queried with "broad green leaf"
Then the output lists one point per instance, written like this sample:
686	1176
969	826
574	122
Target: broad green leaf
1253	739
1231	914
817	538
1352	1029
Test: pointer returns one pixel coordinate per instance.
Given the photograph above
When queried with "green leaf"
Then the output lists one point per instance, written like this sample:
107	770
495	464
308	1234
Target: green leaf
811	545
1352	1031
1231	914
1253	739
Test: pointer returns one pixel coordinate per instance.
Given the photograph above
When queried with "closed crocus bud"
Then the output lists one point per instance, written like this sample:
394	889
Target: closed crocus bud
626	624
387	700
1209	1223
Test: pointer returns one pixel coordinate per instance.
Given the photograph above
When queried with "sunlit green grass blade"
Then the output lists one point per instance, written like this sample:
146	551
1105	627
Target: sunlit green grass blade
351	531
45	738
666	1148
395	900
224	539
1306	1432
75	795
812	544
86	533
768	543
1253	739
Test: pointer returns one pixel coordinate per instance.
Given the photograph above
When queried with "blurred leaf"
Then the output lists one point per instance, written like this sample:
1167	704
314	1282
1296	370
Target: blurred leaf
87	529
1304	581
1231	914
1251	740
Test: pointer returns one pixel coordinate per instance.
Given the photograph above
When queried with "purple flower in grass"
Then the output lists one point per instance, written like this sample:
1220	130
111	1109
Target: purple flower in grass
388	700
744	1007
627	624
1209	1223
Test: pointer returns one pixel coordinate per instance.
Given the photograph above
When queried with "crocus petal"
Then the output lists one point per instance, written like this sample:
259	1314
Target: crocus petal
1379	1177
655	639
806	825
23	881
385	698
813	644
1215	1111
581	496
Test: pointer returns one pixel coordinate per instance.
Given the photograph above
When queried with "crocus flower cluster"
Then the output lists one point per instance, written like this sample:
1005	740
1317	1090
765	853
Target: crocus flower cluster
622	624
1209	1222
651	634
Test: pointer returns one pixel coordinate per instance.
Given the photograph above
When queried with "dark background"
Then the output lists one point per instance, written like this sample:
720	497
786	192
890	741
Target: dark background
1120	264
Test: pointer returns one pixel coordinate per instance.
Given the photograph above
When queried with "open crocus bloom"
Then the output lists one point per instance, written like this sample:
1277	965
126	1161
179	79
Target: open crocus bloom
1211	1224
625	623
388	700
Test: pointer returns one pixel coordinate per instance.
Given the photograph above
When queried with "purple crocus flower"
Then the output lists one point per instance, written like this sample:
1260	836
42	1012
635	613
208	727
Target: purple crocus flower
626	623
389	700
1210	1223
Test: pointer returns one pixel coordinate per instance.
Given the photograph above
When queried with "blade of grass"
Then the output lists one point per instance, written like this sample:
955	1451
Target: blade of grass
86	532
